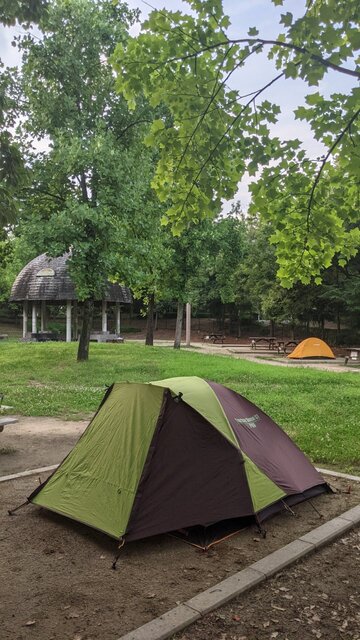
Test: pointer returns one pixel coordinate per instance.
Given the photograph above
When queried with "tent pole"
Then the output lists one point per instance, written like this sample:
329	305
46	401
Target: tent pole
287	508
120	546
315	509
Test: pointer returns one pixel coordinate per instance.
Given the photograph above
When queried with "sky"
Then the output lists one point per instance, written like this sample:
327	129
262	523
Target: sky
243	14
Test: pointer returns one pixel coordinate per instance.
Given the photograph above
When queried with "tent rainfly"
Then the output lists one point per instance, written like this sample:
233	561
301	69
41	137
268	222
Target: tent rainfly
178	454
312	348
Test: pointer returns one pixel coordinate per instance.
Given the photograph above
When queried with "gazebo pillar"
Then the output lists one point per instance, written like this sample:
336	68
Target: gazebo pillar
75	325
25	317
33	318
104	316
43	316
118	318
68	320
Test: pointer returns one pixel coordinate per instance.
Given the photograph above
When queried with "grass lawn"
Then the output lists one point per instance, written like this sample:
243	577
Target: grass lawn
319	410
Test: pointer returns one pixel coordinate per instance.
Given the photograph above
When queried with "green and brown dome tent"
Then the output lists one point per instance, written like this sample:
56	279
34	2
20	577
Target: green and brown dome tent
178	454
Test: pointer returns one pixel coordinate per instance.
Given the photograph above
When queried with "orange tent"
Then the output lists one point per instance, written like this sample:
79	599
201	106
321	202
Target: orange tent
312	348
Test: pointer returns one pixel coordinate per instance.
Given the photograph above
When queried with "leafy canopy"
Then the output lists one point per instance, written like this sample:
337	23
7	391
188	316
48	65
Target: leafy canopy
217	133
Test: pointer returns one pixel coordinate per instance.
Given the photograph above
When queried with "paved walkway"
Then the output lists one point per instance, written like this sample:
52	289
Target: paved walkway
263	356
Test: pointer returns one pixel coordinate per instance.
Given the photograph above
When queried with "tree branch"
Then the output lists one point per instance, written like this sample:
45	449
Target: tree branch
132	124
225	134
262	42
212	98
318	175
46	193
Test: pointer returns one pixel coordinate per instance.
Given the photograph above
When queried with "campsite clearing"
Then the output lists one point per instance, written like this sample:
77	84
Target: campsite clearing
57	573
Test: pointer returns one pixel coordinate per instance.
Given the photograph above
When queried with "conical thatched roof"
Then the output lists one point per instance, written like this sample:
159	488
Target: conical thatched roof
45	278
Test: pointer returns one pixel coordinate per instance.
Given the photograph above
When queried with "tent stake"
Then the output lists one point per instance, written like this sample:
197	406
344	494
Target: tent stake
260	528
121	544
12	511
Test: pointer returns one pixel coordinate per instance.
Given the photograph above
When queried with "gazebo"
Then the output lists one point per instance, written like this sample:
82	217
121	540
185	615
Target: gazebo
45	281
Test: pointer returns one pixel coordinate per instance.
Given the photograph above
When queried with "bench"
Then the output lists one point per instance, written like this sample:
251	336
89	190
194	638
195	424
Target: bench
105	337
45	336
6	421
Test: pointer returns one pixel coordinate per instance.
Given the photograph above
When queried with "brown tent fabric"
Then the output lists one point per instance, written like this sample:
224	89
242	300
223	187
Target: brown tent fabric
267	445
195	477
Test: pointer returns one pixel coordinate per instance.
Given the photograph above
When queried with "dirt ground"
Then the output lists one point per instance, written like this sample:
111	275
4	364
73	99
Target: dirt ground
37	442
57	582
318	598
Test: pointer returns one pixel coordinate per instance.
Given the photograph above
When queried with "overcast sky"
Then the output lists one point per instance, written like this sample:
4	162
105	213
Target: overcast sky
243	14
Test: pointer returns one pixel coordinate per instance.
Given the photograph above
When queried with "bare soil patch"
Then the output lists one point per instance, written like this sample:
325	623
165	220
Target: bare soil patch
57	581
37	442
318	598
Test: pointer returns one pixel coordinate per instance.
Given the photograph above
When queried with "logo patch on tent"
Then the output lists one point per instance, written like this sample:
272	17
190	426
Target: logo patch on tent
249	422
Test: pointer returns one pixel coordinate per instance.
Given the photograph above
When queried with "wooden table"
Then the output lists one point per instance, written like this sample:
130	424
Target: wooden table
353	354
270	340
282	345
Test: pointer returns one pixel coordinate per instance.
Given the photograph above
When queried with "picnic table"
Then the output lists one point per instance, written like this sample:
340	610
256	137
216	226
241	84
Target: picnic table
353	354
215	337
282	345
271	341
6	420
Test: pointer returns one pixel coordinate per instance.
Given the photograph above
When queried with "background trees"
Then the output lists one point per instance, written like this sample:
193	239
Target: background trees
93	187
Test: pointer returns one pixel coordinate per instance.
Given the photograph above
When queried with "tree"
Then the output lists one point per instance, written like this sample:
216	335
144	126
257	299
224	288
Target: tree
12	171
218	133
204	265
147	258
22	11
93	177
13	174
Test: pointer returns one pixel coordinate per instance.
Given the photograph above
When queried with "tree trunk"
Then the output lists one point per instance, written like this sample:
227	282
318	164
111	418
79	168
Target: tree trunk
338	325
238	323
322	328
149	341
87	316
179	321
272	328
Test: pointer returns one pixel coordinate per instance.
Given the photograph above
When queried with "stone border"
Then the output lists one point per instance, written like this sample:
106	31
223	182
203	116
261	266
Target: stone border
188	612
30	472
337	474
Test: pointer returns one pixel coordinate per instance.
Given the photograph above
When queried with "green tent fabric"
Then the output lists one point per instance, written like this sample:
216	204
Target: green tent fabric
180	453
